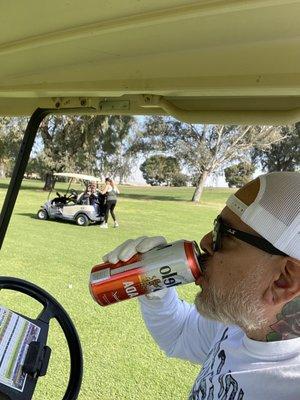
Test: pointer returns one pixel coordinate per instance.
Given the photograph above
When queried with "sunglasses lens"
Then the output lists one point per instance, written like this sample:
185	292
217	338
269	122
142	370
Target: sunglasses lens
216	235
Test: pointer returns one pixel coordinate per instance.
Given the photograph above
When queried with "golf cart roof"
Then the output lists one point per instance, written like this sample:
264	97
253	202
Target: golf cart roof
209	61
77	176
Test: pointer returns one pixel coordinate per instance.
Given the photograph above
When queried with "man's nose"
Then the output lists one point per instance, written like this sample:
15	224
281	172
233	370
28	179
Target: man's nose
206	243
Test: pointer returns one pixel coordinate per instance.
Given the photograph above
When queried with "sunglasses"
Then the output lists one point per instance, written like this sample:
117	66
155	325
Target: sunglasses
220	228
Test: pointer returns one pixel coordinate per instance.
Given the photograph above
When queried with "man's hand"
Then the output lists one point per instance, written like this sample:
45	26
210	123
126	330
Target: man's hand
129	248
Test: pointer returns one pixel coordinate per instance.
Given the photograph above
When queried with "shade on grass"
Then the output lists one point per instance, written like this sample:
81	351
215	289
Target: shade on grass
121	360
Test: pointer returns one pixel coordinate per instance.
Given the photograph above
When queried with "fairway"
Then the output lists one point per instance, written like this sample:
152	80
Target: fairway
121	361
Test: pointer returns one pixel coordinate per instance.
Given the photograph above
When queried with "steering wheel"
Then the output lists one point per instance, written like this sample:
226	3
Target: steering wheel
36	365
73	195
73	192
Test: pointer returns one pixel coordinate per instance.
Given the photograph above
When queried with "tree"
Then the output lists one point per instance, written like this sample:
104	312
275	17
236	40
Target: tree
58	147
12	130
159	170
90	144
180	179
116	156
202	149
283	155
239	174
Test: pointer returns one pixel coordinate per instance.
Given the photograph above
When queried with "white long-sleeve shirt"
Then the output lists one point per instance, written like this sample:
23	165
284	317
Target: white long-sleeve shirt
234	366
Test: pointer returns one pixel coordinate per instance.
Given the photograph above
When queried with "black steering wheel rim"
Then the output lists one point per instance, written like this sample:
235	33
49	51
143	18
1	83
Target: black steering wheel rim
52	309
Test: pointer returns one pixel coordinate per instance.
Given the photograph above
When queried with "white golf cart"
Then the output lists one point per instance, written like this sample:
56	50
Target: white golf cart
72	207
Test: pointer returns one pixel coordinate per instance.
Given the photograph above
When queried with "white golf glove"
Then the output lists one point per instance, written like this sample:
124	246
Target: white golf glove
129	248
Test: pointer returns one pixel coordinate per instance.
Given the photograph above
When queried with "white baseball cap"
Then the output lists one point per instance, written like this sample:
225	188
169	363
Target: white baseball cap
275	212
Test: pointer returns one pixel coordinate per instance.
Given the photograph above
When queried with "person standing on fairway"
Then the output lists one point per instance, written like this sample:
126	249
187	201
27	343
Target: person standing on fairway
245	325
111	191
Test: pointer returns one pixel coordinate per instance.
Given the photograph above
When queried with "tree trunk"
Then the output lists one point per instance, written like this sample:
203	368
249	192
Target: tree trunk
49	181
200	186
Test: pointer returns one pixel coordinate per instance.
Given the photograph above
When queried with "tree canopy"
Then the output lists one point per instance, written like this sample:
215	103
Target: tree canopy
159	169
175	152
283	155
202	149
238	175
11	133
97	145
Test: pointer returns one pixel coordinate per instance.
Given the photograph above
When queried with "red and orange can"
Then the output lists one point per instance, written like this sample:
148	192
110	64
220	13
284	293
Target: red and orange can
164	266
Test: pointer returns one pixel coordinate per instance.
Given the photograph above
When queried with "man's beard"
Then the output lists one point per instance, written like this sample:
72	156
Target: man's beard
238	305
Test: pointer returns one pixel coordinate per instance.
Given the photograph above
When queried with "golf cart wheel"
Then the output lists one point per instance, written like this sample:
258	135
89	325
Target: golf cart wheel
82	220
42	214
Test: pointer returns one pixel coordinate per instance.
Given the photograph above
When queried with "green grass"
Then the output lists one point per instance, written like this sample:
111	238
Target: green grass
121	361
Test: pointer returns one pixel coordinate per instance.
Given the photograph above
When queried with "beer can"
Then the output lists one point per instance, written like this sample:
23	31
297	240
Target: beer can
164	266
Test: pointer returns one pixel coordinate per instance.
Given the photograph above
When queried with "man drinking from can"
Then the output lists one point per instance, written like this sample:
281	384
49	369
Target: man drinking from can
245	325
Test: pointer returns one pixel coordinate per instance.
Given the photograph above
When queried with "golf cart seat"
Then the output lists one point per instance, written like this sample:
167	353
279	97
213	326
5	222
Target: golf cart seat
82	200
59	201
62	200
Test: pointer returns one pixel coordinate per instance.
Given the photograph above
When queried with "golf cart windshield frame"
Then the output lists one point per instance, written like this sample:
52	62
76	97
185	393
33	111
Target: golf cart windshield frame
20	167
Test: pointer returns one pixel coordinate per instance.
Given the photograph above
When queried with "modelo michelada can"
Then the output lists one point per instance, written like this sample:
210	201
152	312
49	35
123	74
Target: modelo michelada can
164	266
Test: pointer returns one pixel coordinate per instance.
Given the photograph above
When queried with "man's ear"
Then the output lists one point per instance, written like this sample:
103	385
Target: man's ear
287	286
